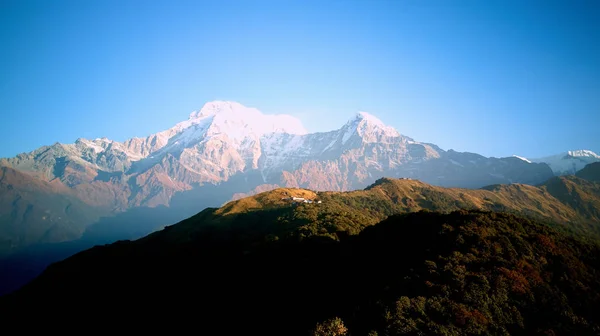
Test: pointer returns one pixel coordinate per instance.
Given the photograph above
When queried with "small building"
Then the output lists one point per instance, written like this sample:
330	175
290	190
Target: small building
296	200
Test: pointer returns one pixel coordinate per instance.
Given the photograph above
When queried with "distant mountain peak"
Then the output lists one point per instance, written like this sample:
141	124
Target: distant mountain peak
228	115
569	162
361	115
369	127
232	109
583	153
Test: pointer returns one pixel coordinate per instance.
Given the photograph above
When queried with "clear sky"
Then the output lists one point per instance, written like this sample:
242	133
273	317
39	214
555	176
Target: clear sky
492	77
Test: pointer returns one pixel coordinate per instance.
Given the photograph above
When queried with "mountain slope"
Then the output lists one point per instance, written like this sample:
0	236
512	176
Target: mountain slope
580	194
591	172
33	211
465	273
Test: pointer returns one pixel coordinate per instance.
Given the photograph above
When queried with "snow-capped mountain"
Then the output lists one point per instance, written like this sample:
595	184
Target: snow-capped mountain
230	122
226	148
284	152
569	162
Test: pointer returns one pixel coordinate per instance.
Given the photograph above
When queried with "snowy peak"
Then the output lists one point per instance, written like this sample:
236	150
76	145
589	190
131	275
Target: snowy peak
231	122
227	114
572	154
232	109
238	119
583	153
569	162
369	128
368	118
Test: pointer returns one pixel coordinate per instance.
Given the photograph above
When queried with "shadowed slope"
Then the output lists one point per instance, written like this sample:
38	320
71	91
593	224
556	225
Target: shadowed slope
33	211
590	172
461	273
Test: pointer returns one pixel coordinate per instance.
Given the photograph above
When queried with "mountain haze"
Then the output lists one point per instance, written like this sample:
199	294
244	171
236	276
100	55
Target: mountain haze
35	211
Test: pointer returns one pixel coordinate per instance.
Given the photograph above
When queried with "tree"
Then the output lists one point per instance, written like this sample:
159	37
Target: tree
331	327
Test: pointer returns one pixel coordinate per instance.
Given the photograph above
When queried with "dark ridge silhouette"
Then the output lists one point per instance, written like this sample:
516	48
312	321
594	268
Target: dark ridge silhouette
590	172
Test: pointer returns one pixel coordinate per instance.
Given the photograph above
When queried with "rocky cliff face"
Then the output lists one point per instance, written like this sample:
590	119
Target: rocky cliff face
239	150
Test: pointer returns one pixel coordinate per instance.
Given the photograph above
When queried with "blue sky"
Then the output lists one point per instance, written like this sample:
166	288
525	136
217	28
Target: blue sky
493	77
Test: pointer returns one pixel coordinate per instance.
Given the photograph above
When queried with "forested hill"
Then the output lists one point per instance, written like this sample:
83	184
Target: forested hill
419	273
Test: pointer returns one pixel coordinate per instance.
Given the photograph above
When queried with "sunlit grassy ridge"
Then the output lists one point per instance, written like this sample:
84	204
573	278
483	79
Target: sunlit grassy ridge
567	202
265	200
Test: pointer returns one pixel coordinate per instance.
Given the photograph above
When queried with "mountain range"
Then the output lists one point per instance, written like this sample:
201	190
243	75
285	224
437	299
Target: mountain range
55	193
60	199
